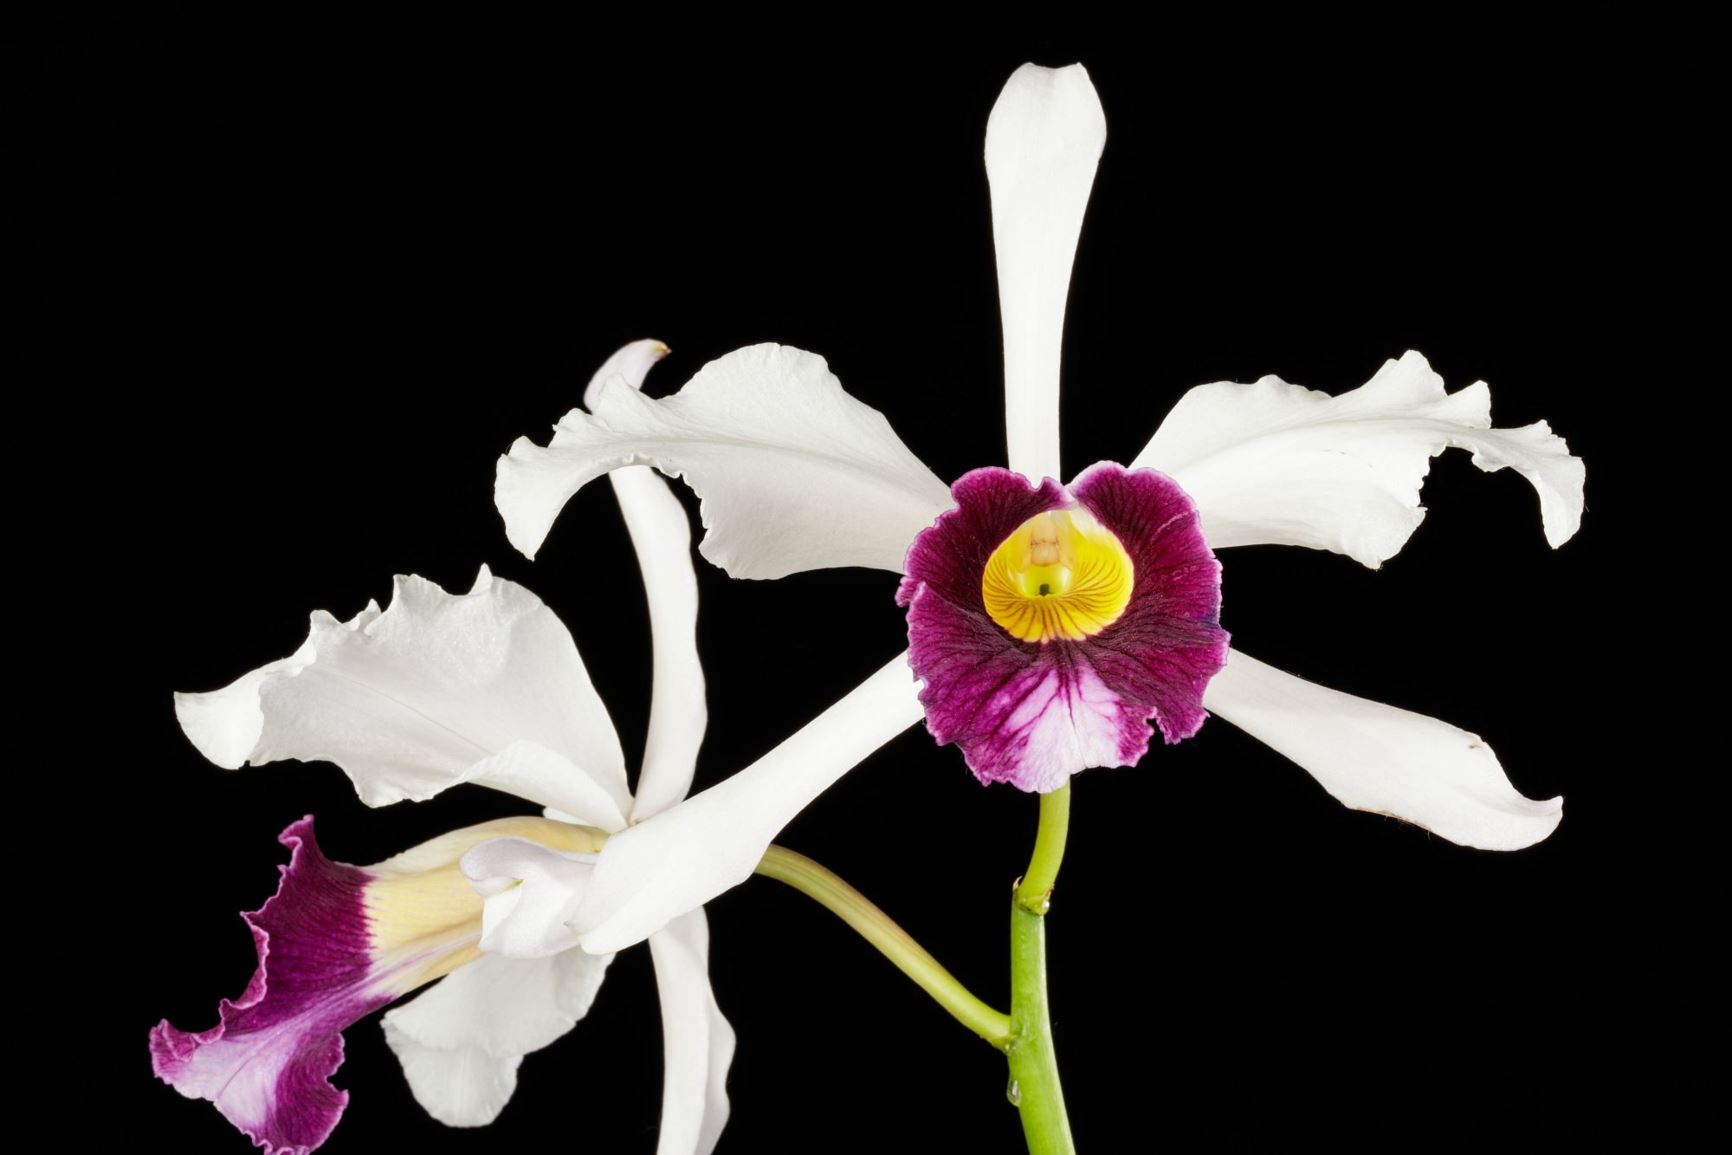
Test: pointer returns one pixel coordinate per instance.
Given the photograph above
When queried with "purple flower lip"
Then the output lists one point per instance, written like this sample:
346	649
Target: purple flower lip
1032	713
268	1061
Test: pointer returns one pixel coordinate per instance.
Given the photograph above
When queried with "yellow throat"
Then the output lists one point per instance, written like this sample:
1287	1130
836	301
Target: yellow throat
1060	575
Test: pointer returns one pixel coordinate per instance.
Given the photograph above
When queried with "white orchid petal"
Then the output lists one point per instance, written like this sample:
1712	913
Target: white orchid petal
794	473
1276	464
1043	141
1383	759
460	1042
661	535
689	853
437	690
531	894
225	724
698	1043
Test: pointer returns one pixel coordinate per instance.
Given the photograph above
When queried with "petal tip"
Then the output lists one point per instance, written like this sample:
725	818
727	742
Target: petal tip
630	363
1536	822
222	725
1059	104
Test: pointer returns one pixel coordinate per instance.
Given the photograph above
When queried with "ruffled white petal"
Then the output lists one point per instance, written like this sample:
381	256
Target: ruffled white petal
689	853
1378	758
530	893
794	473
1276	464
698	1043
661	535
225	724
460	1042
437	690
1043	141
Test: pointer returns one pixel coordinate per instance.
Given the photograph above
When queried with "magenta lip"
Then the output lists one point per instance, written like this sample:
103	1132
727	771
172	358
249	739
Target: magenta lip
1034	713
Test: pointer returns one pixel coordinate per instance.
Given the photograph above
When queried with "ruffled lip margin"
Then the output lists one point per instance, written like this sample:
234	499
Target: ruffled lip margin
267	1063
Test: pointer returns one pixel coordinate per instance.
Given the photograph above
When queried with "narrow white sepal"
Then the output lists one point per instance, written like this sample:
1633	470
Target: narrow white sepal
1275	464
686	855
698	1042
1382	759
1043	142
679	711
661	536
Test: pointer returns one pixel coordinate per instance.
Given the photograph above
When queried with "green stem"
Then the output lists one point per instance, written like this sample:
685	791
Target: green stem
1034	1081
894	943
1035	891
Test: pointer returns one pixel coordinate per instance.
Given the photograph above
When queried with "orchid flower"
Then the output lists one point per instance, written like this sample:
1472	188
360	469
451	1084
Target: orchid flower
1049	624
434	691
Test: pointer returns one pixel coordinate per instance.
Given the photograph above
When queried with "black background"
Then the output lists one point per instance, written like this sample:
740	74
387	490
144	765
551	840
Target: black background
307	276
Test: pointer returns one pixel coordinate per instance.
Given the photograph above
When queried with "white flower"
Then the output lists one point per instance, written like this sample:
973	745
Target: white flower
794	474
436	690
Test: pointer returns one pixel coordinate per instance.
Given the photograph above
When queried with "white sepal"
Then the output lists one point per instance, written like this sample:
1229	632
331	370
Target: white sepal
1383	759
661	536
1043	141
675	862
698	1042
679	712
